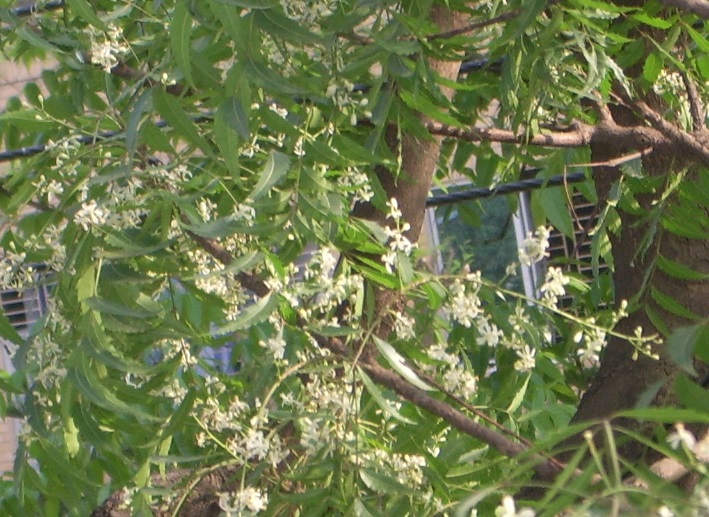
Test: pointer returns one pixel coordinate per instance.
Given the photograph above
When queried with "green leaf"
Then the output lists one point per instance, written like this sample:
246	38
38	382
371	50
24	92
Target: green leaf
118	309
180	39
398	363
384	484
251	4
84	10
91	387
236	116
653	21
671	305
7	331
260	74
678	270
170	109
681	345
691	394
652	67
378	397
278	26
422	105
251	315
275	168
554	204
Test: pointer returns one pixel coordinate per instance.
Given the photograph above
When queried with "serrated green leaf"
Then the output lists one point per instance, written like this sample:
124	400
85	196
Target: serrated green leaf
678	270
180	39
398	363
169	108
118	309
378	397
278	26
671	305
652	67
251	315
235	116
652	21
275	168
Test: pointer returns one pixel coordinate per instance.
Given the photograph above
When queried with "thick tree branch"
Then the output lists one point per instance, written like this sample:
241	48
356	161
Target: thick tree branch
673	133
583	135
698	7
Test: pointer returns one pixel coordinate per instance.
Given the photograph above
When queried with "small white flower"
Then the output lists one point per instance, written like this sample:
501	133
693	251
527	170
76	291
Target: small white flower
681	436
89	215
526	360
507	508
534	247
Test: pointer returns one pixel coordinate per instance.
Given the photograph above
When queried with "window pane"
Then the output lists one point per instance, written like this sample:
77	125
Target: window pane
479	234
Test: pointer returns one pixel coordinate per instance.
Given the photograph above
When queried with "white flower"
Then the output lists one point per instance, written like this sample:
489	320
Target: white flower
534	247
526	361
105	51
554	283
234	503
404	326
507	508
90	214
663	511
275	345
489	334
394	211
681	437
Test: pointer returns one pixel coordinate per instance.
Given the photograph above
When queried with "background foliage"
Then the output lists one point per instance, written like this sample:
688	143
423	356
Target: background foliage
209	215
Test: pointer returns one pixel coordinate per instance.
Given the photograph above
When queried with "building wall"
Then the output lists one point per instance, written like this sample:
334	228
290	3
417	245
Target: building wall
13	78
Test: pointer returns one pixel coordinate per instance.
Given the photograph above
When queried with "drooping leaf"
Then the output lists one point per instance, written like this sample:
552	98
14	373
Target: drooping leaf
275	168
180	38
398	363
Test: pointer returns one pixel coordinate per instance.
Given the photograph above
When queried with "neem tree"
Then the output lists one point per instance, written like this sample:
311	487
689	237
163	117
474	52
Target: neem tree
255	173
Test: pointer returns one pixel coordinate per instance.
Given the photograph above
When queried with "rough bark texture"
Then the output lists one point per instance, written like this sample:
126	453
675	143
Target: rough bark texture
621	380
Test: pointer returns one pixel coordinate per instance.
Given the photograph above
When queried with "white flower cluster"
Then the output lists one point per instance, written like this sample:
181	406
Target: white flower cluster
456	377
534	247
332	405
396	240
553	287
107	47
14	273
234	504
355	180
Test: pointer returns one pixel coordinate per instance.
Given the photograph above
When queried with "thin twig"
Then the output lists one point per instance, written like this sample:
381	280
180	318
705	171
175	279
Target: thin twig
475	26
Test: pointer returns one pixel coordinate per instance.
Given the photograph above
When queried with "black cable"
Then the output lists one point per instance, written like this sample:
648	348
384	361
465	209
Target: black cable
506	188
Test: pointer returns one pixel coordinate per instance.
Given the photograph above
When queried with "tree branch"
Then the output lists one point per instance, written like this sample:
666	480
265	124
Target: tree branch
475	26
698	7
673	133
216	250
547	469
583	135
696	107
